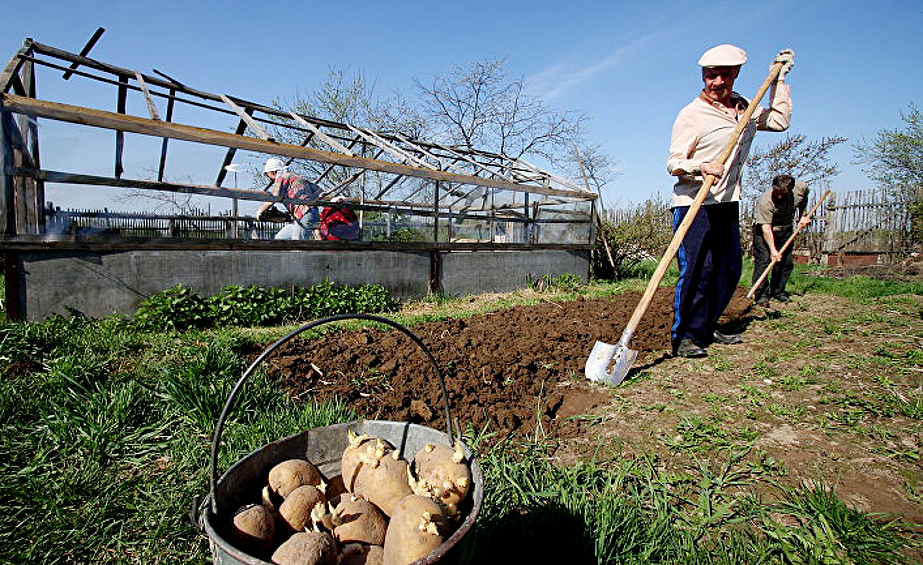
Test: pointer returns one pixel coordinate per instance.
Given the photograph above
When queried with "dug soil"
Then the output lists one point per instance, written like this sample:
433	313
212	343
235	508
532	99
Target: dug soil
804	395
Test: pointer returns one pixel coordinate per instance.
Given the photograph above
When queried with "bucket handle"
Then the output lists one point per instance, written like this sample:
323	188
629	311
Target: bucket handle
216	442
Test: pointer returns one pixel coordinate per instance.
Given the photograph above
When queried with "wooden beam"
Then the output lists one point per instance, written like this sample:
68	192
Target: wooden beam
12	67
143	126
119	135
7	200
151	107
72	243
86	50
247	118
163	147
323	136
396	152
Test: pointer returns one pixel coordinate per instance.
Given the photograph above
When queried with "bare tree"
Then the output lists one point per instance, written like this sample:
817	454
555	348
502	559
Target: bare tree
478	107
796	156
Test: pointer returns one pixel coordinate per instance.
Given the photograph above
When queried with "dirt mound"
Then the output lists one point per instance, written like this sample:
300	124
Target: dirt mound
502	369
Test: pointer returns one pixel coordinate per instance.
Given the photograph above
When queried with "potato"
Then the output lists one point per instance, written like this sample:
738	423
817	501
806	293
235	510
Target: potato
360	554
295	512
253	528
442	474
307	548
289	475
335	488
383	482
361	450
414	530
358	520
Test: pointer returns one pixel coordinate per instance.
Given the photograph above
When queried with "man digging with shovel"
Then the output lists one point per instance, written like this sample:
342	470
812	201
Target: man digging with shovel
709	256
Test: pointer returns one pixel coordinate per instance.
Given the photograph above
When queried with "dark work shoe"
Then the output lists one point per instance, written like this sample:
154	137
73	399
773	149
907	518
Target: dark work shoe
727	339
763	301
688	348
782	297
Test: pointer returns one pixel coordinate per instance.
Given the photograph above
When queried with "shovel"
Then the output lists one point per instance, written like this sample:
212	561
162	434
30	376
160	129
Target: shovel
788	242
611	363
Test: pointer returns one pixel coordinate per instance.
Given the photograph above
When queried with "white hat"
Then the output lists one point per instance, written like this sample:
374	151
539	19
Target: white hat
273	164
725	55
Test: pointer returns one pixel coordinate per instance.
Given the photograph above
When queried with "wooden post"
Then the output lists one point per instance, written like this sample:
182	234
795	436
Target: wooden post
163	147
436	214
830	228
119	135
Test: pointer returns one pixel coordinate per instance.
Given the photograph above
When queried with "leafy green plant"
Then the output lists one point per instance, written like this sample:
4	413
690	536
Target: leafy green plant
250	306
178	308
181	309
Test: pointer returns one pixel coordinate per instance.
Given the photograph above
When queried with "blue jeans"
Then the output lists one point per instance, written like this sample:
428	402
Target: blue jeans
710	263
297	230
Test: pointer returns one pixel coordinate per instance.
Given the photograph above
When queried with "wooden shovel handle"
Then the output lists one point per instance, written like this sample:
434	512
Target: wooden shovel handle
709	180
791	238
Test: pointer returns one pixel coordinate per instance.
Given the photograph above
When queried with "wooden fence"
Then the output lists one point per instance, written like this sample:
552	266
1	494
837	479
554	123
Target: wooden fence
860	222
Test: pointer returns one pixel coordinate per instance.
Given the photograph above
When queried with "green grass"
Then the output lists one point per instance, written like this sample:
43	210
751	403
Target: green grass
855	286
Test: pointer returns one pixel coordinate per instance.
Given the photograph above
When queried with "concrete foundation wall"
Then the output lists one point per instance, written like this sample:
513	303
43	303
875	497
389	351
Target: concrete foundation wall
101	284
475	272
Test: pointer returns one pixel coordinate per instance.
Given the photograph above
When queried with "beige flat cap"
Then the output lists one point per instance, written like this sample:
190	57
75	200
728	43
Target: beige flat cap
725	55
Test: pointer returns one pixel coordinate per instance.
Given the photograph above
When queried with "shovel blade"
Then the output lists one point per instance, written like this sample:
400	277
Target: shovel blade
609	363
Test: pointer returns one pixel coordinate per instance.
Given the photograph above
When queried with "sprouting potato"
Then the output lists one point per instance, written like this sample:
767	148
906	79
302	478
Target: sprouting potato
362	450
357	520
442	474
414	530
334	488
295	511
383	481
360	554
306	548
253	528
289	475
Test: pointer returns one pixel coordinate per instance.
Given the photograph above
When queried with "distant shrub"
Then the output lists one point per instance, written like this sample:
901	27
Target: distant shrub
634	235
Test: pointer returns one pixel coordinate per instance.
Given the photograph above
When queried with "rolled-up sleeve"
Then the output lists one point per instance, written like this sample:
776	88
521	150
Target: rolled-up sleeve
779	115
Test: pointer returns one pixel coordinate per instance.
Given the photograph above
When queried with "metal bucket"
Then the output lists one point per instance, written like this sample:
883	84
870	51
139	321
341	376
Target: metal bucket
324	448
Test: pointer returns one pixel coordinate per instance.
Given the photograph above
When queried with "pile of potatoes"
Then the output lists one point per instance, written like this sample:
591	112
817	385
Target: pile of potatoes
380	510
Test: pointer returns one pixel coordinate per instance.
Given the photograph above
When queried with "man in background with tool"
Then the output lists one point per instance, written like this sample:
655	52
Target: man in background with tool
772	226
286	184
710	255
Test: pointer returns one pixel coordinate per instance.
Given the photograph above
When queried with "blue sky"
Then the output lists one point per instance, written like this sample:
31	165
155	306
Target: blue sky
630	66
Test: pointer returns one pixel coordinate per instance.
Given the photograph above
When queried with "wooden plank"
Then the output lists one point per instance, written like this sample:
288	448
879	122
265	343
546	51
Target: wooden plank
7	201
144	126
86	50
422	209
247	118
71	243
119	135
151	107
11	71
323	136
376	140
163	147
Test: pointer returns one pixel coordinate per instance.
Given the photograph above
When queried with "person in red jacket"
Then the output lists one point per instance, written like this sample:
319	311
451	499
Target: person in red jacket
338	222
